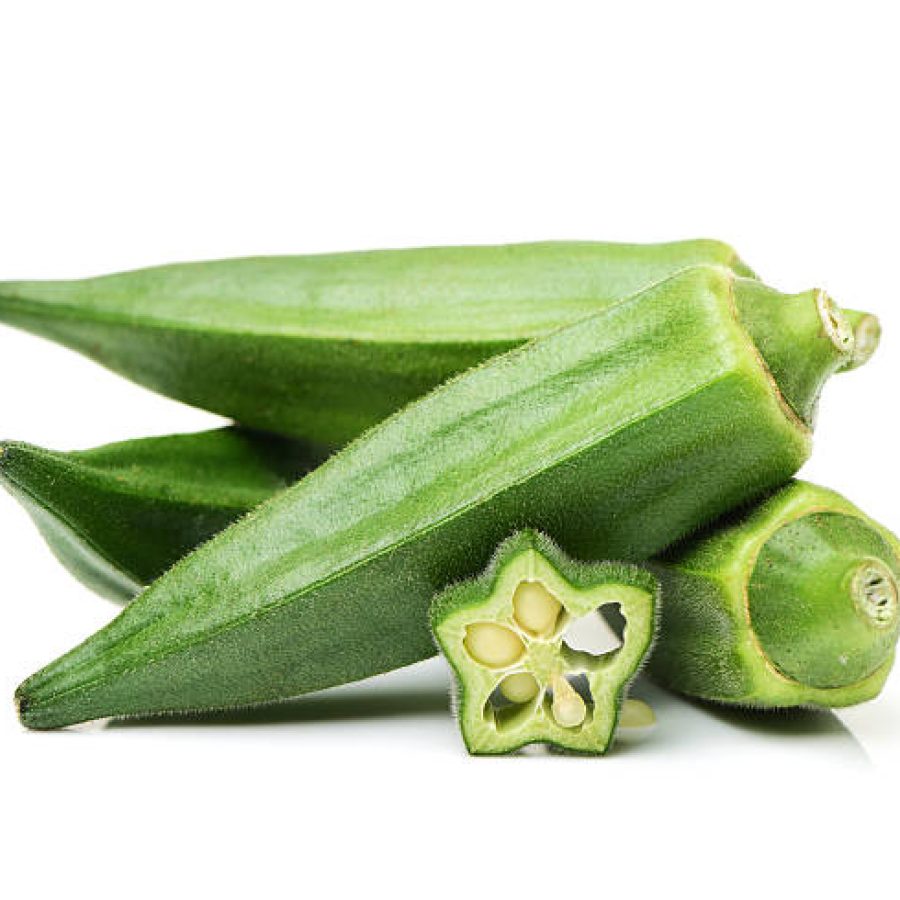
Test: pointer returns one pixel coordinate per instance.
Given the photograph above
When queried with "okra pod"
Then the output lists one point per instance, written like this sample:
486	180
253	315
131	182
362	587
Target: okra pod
323	347
521	678
119	516
615	436
793	603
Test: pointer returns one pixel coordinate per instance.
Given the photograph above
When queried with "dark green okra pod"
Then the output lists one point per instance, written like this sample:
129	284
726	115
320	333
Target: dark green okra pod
519	681
793	603
323	347
119	516
616	436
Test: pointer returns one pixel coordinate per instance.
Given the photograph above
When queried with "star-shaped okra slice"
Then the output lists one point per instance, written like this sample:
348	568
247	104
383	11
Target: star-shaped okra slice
520	678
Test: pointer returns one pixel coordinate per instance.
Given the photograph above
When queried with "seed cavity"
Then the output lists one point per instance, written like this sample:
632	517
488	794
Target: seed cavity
535	609
520	687
568	708
492	645
598	633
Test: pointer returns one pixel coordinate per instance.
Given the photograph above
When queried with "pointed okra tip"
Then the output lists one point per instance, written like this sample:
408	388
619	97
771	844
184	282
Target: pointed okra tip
543	648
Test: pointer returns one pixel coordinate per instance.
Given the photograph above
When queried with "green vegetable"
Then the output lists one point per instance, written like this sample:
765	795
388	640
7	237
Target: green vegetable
616	436
323	347
119	516
519	678
793	603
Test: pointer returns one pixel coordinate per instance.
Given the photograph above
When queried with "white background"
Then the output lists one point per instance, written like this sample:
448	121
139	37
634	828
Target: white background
142	133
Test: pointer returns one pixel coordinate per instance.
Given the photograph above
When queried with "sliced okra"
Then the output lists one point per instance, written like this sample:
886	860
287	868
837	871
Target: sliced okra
518	680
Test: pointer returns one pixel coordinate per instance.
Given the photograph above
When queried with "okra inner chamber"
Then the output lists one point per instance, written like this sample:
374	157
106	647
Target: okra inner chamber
517	642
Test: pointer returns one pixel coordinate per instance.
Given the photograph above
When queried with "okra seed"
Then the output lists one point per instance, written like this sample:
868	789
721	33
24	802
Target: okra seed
535	608
493	645
568	709
636	714
519	687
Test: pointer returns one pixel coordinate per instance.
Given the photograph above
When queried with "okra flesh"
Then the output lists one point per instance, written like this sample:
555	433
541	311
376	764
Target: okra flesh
121	515
792	604
323	347
544	705
616	436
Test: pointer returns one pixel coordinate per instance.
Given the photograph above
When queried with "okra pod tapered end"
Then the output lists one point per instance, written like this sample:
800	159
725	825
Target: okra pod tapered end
516	640
794	603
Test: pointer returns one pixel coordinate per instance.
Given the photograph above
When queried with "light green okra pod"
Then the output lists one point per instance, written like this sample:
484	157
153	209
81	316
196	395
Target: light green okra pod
323	347
505	636
793	603
615	436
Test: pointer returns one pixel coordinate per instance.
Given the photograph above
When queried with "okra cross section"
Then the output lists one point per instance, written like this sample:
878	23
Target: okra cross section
521	677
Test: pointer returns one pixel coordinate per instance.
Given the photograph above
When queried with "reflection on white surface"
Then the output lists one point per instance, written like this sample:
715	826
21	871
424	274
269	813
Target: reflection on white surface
420	695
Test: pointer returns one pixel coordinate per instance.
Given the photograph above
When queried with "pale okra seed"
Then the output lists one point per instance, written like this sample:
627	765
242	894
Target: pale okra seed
535	608
493	645
636	714
567	708
520	687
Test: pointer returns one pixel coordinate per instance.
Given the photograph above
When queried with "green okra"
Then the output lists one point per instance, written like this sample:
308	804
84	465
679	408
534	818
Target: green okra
323	347
120	515
615	436
793	603
520	678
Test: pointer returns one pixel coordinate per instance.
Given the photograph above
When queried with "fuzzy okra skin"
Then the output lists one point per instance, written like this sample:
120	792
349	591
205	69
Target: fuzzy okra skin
794	603
323	347
615	436
503	635
120	515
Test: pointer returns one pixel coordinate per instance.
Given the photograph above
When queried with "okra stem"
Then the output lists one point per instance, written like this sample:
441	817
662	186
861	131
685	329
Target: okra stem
777	322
